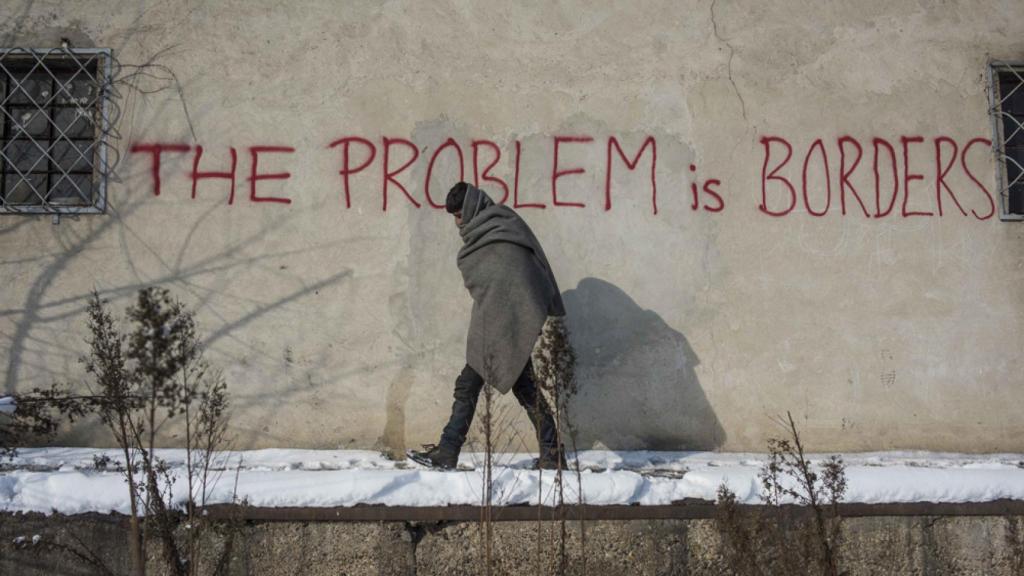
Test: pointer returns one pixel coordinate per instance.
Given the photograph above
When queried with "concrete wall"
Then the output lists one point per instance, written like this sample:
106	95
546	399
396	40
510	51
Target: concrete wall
910	546
343	324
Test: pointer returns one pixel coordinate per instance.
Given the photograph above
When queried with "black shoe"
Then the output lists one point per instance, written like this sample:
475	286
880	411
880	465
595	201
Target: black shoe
550	460
435	456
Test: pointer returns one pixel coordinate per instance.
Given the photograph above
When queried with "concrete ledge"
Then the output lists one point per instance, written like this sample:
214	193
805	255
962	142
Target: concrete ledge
690	510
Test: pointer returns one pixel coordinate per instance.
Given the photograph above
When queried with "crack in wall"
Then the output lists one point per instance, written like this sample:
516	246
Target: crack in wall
732	52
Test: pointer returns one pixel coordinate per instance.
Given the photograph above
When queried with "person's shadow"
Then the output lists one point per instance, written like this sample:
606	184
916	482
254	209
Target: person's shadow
637	388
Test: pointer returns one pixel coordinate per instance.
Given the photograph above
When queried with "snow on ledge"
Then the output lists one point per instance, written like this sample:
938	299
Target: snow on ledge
67	480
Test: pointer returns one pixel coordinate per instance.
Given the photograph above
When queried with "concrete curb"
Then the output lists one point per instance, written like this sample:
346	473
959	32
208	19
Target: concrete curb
689	510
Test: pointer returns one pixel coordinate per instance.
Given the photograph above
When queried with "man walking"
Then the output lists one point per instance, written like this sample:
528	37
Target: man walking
514	291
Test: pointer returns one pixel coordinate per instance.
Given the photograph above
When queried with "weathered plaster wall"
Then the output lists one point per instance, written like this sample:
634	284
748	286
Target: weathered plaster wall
344	325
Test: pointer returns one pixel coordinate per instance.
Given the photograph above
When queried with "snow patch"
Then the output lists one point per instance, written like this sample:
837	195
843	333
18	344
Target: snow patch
67	480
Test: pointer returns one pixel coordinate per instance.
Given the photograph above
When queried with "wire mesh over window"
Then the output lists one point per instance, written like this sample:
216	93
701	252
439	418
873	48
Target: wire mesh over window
53	120
1007	110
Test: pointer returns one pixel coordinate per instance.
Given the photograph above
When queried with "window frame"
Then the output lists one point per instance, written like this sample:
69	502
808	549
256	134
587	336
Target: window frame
100	168
995	68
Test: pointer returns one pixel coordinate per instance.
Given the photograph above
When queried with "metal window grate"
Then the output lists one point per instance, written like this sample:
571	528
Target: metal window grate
53	124
1006	108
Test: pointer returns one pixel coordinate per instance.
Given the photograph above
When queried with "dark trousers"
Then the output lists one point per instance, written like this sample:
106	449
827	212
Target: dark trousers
467	390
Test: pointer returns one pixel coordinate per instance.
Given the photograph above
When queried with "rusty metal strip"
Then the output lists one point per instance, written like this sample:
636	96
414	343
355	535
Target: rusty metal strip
691	510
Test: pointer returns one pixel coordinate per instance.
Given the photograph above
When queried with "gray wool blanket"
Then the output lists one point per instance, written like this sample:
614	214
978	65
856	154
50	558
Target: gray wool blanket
513	289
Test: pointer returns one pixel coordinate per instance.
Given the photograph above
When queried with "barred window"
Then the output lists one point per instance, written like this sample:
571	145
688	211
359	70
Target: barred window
53	116
1006	92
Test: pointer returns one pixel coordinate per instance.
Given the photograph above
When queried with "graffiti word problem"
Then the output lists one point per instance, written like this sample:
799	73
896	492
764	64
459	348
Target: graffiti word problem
784	178
395	156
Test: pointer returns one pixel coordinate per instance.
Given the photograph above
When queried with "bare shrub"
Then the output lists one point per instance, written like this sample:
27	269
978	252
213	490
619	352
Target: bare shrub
139	381
760	540
486	509
147	378
36	415
556	377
